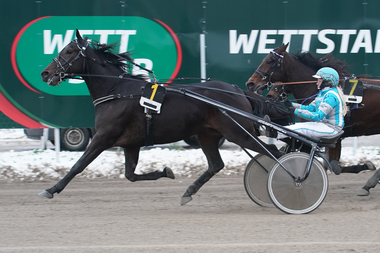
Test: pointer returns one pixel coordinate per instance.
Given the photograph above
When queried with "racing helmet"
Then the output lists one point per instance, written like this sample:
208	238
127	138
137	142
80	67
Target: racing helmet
329	75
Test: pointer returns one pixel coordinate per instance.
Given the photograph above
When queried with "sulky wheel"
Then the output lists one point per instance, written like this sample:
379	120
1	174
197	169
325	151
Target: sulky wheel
292	197
256	178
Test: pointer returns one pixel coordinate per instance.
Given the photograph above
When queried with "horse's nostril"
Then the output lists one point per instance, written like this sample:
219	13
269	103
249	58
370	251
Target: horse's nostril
44	73
250	85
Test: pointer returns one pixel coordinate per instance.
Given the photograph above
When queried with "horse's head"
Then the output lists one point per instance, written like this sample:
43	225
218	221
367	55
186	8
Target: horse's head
269	71
278	92
70	60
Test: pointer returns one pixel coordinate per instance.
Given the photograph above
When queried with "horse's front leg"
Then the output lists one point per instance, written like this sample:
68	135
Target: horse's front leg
131	159
215	164
93	150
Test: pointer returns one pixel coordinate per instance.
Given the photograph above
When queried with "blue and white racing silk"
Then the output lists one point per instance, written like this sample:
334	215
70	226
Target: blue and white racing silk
326	111
327	107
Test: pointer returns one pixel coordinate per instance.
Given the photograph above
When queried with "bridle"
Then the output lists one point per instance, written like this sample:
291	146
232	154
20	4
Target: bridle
62	69
277	63
280	91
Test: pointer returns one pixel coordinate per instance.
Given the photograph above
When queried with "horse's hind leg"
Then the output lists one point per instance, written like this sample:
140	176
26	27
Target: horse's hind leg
371	183
335	153
209	146
131	159
358	168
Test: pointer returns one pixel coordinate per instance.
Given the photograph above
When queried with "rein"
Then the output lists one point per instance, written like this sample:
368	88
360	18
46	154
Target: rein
362	79
118	96
278	60
283	95
281	83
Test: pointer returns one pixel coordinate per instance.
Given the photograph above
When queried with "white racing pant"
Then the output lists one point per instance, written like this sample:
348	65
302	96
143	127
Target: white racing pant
313	129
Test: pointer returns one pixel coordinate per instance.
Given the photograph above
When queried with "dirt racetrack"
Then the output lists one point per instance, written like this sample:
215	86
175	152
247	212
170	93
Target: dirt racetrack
120	216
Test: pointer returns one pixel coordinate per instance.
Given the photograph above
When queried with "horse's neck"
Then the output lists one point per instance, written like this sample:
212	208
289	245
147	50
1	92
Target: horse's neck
298	72
102	81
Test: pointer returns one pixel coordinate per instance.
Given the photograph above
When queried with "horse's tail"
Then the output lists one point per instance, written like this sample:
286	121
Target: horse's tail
265	106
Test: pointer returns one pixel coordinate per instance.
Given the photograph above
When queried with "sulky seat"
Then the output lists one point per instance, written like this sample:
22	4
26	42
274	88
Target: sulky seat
329	141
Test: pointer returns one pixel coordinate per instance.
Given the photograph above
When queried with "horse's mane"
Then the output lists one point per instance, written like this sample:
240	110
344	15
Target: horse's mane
112	57
312	61
122	60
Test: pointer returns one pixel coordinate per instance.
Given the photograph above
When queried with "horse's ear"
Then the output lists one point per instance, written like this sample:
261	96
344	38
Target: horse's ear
81	41
79	37
283	48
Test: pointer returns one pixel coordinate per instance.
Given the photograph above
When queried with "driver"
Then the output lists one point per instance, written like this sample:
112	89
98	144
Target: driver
326	112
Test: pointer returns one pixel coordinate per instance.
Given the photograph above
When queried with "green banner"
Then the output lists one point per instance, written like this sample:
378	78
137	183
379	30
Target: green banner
164	36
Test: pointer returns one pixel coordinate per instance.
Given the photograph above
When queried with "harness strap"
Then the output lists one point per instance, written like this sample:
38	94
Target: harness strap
111	97
103	99
149	137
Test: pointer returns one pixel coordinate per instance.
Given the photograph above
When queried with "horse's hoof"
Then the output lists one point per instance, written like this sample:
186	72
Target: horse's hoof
46	194
335	167
169	173
185	200
363	192
370	165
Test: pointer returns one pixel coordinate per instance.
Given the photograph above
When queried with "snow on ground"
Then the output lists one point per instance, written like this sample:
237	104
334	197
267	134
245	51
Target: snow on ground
39	165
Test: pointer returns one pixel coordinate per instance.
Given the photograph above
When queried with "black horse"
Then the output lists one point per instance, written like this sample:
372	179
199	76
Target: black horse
295	71
121	121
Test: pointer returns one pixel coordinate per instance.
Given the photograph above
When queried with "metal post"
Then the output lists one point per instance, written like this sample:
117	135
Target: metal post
354	145
202	40
57	144
44	138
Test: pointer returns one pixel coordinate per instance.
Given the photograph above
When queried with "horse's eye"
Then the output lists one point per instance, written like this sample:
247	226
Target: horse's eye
69	52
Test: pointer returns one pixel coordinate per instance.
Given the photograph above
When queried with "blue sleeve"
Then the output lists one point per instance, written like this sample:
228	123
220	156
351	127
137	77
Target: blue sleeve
314	116
317	114
311	107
